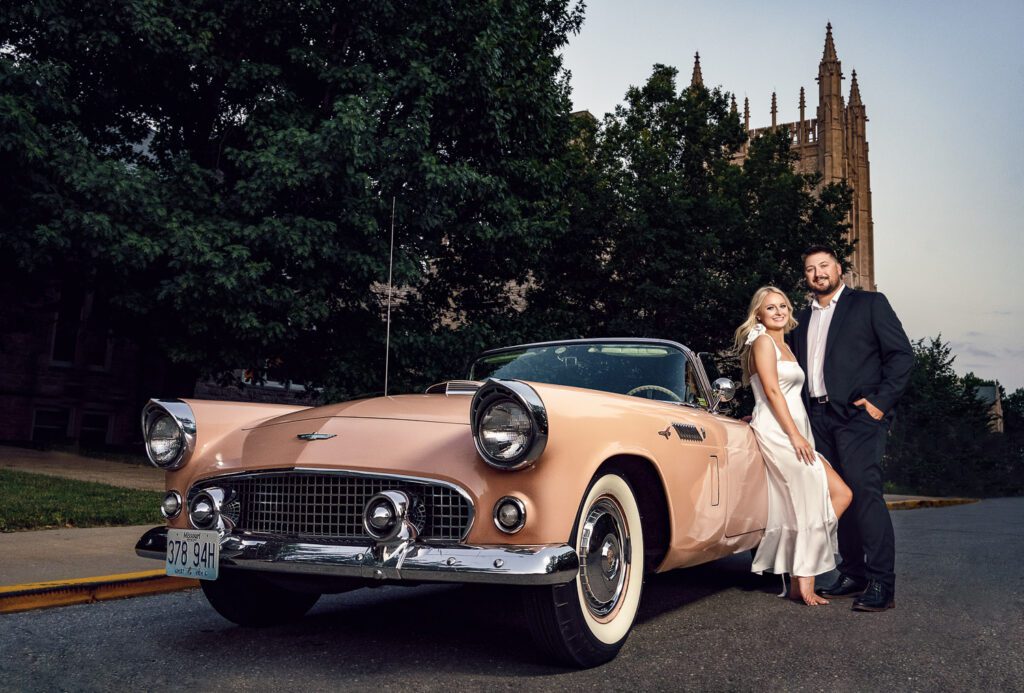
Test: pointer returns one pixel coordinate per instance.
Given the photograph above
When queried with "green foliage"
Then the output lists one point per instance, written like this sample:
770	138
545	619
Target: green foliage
941	442
668	236
35	501
224	172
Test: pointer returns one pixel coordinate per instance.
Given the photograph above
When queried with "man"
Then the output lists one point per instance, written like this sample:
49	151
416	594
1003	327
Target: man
857	359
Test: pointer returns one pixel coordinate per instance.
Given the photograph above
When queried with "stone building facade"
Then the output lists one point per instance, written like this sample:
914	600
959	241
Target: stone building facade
63	376
834	144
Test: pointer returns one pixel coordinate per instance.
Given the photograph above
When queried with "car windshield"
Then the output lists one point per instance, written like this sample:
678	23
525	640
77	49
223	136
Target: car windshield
654	371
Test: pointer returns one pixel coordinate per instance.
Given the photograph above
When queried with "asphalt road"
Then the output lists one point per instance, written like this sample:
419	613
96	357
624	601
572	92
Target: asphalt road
958	625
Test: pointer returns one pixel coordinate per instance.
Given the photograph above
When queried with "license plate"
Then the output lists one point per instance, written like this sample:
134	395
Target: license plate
193	553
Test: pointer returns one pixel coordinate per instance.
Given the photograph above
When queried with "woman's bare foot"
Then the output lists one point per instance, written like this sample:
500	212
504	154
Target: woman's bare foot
801	589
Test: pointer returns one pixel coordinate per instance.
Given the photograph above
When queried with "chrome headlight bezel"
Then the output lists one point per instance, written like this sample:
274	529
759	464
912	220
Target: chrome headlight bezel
184	420
495	392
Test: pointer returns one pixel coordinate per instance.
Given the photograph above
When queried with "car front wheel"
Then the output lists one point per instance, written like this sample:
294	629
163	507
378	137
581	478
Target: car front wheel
249	600
584	623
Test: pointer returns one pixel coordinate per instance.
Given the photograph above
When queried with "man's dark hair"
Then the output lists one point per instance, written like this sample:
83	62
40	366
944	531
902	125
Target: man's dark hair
815	249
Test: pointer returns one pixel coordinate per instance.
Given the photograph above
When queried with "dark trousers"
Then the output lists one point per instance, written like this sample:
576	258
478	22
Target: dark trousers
855	447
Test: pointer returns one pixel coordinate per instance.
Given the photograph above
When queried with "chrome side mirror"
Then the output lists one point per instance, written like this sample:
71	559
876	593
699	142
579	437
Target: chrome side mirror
722	391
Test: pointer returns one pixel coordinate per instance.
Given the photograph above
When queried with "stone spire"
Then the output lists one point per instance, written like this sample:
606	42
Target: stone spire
831	135
801	132
775	110
854	90
746	113
829	55
698	79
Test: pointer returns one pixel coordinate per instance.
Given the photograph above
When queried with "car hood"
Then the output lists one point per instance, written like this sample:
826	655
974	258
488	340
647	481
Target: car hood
435	408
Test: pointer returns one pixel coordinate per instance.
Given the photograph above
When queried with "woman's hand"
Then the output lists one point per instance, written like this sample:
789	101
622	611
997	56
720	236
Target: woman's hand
804	451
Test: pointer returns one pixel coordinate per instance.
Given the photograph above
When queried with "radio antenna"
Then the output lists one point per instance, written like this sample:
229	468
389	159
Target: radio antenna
391	260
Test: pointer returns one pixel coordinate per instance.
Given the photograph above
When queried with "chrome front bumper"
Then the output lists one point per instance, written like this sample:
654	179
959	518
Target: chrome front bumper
549	564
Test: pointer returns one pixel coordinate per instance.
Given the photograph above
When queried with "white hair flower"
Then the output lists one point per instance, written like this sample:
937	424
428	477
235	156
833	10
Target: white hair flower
755	332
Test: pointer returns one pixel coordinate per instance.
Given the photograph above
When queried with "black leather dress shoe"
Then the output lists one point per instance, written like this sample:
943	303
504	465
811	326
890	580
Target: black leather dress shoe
844	586
876	597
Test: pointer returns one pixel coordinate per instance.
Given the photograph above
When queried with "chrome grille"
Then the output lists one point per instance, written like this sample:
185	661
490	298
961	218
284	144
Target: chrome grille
330	505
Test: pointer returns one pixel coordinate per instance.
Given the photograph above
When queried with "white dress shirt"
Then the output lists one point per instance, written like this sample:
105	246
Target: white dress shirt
817	336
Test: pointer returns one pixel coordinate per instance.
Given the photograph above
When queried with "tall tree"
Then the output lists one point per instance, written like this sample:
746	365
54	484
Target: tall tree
224	171
941	442
669	236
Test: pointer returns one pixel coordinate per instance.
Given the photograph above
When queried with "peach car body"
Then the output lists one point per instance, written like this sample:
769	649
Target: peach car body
696	476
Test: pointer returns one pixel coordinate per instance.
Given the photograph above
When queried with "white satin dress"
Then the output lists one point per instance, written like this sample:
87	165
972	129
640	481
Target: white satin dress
800	536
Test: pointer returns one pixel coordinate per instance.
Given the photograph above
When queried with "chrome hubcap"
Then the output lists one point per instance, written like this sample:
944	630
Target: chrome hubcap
604	556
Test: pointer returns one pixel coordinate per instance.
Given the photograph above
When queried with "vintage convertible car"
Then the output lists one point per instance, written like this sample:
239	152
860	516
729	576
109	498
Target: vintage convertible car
566	469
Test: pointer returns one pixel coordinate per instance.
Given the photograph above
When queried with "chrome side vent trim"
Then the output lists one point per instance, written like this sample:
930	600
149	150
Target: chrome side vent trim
454	387
689	432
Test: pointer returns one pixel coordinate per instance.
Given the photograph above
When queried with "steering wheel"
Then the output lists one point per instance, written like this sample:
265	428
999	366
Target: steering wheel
656	388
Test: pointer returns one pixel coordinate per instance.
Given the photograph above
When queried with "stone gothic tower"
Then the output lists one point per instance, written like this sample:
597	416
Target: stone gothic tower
834	144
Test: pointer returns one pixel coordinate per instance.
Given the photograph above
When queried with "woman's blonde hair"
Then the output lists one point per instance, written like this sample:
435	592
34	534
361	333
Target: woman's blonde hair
739	343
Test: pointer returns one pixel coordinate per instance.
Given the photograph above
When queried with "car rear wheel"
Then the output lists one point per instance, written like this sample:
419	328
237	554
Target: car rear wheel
249	600
584	623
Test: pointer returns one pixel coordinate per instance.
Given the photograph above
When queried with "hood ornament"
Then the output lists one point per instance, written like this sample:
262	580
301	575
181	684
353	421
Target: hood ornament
316	436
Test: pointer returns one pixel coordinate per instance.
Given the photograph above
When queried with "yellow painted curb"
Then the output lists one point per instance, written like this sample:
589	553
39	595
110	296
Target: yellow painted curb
911	504
42	595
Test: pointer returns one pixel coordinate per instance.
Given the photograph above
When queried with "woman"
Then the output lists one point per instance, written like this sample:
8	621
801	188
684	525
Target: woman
805	495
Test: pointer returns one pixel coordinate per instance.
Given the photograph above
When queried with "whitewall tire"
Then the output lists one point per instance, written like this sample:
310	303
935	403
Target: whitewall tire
585	622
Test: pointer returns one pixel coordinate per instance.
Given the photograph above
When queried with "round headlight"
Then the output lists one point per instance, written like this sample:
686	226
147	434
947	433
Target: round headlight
509	424
505	430
165	440
169	429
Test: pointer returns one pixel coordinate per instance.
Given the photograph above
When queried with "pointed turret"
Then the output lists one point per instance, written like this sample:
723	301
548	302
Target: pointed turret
775	110
801	128
746	113
829	54
858	175
854	90
697	80
831	113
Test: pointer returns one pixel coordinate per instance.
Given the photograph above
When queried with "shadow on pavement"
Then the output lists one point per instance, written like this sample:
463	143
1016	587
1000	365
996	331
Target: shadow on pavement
470	629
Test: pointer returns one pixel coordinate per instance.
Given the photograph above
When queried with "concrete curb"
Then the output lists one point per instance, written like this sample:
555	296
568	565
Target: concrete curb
913	503
42	595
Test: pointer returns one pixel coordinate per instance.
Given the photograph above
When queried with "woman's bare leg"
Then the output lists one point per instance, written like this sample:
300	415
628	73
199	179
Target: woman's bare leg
838	491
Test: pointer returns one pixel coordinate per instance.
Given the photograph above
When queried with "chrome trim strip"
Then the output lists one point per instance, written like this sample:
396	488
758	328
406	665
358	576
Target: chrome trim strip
549	564
198	484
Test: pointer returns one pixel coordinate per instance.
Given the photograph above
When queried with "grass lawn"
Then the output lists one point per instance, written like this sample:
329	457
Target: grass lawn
35	501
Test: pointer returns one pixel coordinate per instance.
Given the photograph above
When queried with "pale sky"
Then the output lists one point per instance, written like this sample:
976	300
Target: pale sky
943	84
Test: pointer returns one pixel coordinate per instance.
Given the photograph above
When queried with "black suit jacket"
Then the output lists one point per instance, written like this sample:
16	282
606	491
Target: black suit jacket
867	353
